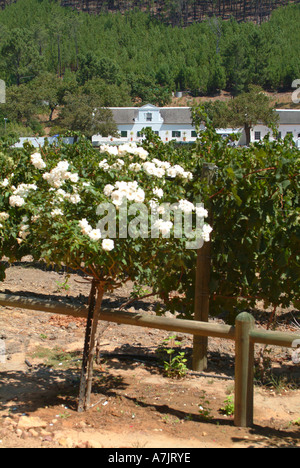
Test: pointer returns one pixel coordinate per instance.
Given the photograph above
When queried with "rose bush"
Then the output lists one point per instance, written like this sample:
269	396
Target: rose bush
59	204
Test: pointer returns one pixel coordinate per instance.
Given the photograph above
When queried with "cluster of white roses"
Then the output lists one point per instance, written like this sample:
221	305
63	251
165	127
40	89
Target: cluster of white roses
165	169
155	167
95	235
59	174
124	191
20	194
37	161
127	148
62	195
163	226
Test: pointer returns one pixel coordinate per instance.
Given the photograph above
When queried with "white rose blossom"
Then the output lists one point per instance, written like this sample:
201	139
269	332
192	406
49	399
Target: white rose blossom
206	230
59	174
186	206
85	226
16	200
56	212
95	234
37	161
4	183
158	192
163	226
108	244
4	216
201	212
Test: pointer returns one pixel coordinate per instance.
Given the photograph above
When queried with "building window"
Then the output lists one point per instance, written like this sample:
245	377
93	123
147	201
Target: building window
194	134
176	134
279	136
124	134
257	136
148	117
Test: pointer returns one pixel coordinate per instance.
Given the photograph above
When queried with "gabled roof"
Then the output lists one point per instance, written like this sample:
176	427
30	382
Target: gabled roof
182	115
170	115
176	115
124	115
289	116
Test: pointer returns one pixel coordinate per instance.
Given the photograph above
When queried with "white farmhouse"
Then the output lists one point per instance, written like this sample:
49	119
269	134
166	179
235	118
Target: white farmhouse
170	123
175	123
289	124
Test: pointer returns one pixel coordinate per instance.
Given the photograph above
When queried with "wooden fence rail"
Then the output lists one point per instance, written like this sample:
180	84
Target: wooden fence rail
243	333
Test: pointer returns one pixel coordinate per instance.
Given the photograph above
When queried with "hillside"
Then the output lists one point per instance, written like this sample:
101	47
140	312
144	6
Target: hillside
181	12
64	58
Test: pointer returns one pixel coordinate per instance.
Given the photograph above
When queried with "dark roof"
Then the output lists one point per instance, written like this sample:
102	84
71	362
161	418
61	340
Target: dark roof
170	115
288	117
176	115
182	115
124	115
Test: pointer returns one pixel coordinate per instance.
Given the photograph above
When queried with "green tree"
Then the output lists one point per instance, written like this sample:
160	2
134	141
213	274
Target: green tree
85	114
48	90
249	109
91	67
21	57
110	94
21	105
244	111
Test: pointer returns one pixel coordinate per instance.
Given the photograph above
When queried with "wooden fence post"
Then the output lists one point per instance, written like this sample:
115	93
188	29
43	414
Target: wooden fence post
85	387
201	310
244	370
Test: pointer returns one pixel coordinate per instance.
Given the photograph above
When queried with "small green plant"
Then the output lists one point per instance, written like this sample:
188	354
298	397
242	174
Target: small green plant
139	291
64	285
204	408
174	360
64	415
228	408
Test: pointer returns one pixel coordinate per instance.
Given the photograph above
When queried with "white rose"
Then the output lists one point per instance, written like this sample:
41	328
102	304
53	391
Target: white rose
158	192
4	216
108	244
85	227
74	178
56	212
16	200
95	234
108	190
139	196
37	161
5	183
75	199
201	212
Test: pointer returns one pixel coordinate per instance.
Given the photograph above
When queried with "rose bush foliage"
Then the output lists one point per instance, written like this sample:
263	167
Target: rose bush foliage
51	202
254	203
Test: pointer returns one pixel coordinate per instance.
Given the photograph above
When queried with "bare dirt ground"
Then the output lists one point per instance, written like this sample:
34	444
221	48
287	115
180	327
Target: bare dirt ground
133	404
281	100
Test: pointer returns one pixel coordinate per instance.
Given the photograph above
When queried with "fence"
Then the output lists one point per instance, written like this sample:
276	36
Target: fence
244	333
